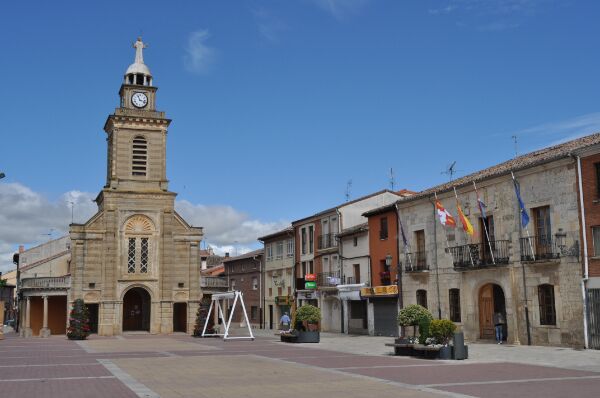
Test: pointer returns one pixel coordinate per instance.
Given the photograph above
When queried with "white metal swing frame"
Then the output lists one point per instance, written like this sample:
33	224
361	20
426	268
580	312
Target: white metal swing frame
216	298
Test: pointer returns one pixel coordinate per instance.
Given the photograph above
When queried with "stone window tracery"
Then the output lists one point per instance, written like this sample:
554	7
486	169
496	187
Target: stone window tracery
138	234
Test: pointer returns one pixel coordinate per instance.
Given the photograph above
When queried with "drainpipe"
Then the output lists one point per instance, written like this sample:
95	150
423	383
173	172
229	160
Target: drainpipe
341	265
585	255
399	265
261	299
435	252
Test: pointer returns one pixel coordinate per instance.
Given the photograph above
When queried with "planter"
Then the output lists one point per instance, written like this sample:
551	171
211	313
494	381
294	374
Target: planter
308	337
445	352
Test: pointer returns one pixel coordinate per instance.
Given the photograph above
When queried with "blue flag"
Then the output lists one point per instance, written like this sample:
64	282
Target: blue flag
524	215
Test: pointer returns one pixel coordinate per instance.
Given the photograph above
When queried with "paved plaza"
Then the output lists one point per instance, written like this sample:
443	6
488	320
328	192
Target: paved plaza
140	365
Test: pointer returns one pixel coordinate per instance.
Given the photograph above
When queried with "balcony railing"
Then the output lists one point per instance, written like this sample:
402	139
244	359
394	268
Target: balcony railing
539	248
52	282
414	262
479	255
327	241
213	281
329	279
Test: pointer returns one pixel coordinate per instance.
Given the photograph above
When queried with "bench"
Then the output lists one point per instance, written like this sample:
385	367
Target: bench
402	349
288	337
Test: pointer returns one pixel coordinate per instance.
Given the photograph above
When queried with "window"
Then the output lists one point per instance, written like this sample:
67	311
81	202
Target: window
356	273
420	257
139	156
253	312
144	256
270	291
383	228
269	252
454	300
355	241
255	283
597	167
131	256
311	238
326	267
303	234
290	248
596	236
311	269
547	310
422	297
232	283
279	252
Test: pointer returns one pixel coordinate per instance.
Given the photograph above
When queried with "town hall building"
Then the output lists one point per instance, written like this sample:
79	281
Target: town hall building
136	262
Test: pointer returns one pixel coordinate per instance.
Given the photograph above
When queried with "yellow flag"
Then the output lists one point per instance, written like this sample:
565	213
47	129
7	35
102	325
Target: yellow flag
464	220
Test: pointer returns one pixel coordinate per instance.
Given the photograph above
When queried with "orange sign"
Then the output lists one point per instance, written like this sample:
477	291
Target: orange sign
310	277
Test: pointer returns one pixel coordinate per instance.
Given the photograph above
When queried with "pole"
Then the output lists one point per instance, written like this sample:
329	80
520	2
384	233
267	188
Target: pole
399	264
485	228
437	276
464	232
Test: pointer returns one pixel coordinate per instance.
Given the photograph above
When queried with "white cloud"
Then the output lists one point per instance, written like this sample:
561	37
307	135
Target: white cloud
199	56
29	218
570	128
269	26
341	8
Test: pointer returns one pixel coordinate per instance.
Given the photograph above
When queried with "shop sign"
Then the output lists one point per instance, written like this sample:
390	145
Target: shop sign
308	295
282	300
310	277
391	290
310	285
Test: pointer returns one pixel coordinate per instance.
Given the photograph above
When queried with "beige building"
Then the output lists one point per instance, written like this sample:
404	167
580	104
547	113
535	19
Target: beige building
278	276
136	262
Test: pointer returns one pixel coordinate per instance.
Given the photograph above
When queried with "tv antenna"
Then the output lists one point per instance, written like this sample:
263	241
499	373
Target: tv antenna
348	190
451	170
49	233
514	137
392	181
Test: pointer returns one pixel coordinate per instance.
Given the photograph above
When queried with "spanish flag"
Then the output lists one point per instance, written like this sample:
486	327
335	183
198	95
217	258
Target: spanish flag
464	220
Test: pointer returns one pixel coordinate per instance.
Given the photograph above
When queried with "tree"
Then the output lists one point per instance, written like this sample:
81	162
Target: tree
412	315
79	321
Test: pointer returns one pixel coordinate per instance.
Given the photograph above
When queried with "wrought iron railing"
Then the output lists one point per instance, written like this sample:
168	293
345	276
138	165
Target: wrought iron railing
478	255
213	281
329	279
51	282
327	241
539	248
416	261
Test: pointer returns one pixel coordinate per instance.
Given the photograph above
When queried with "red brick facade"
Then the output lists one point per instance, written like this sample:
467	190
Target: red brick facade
244	274
591	202
380	248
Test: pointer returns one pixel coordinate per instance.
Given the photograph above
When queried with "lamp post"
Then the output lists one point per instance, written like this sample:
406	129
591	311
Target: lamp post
2	175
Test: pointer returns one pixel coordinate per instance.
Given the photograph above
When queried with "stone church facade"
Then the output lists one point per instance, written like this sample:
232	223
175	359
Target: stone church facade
136	262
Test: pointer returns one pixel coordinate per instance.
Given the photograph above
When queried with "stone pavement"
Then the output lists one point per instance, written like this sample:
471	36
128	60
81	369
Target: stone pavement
339	366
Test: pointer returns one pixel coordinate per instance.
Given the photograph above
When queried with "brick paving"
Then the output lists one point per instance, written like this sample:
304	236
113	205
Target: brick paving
181	366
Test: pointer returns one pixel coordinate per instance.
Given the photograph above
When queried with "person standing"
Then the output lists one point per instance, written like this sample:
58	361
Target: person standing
285	321
499	326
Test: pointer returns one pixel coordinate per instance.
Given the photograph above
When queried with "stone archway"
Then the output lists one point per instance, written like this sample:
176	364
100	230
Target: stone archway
136	310
491	300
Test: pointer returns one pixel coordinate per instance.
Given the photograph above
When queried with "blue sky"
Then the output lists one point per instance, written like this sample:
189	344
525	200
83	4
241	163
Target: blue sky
277	104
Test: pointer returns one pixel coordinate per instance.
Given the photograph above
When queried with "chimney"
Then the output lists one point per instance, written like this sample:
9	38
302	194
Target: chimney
21	248
226	255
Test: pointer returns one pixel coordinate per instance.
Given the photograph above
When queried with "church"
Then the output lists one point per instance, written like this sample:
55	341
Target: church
136	262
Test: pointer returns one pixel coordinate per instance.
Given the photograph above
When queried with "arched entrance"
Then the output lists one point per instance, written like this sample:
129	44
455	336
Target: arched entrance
491	300
136	310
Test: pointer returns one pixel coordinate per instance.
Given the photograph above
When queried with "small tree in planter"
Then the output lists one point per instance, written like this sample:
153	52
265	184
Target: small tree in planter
442	330
412	315
309	314
201	320
424	331
79	321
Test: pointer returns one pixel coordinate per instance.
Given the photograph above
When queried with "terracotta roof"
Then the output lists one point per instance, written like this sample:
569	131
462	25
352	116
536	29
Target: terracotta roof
287	231
528	160
214	271
251	254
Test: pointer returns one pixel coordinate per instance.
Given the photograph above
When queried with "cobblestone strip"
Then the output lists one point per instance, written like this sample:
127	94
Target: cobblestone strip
475	383
85	347
138	388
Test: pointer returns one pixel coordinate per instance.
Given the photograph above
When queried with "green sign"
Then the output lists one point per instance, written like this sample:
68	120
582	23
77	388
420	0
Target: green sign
310	285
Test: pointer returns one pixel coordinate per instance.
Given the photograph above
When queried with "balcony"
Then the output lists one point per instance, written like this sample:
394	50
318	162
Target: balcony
329	279
539	249
327	241
479	255
52	282
416	262
213	282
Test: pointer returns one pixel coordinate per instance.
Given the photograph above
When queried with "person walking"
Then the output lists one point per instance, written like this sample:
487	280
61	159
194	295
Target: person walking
285	321
499	326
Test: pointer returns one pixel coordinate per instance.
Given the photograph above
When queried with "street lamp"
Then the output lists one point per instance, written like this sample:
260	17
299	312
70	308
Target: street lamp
2	175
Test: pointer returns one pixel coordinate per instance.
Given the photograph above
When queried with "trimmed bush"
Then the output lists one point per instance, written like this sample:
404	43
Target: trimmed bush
442	330
308	313
424	330
79	321
412	314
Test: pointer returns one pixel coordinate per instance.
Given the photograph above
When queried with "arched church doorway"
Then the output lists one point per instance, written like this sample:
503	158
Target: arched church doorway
136	310
491	300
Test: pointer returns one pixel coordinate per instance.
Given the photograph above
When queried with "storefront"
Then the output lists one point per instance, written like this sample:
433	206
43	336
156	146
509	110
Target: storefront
384	300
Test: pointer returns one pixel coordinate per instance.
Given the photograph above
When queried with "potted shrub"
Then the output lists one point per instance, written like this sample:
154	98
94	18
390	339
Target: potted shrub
79	327
412	315
443	330
307	324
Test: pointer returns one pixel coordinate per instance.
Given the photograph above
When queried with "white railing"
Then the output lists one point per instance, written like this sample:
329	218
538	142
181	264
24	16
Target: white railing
52	282
213	281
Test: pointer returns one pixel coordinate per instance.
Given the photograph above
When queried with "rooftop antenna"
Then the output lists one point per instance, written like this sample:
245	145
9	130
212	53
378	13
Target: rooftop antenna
348	190
49	233
72	207
451	170
514	137
392	181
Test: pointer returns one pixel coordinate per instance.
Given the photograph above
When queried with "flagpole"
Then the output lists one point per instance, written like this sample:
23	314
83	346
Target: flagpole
445	231
520	221
464	232
487	235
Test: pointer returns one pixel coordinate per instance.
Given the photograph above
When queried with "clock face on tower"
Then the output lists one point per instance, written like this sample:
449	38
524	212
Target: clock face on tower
139	100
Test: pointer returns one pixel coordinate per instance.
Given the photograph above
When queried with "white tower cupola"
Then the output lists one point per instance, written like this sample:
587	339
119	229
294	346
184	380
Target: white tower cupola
138	73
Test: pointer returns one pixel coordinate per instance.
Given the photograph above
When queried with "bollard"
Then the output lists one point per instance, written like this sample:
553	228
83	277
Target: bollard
460	350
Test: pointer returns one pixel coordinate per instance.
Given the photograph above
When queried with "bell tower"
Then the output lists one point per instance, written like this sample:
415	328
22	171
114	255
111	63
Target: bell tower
136	133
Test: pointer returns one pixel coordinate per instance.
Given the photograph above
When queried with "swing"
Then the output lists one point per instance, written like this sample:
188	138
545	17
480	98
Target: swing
217	298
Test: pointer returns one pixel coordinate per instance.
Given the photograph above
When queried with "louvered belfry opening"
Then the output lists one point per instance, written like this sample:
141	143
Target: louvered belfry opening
139	162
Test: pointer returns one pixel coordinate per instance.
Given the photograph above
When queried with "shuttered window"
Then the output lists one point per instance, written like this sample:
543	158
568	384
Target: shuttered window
547	310
139	157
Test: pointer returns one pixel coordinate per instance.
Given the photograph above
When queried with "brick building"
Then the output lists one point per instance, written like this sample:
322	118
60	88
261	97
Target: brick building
245	274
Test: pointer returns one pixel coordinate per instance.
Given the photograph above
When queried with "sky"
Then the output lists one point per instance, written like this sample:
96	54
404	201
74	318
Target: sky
277	105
